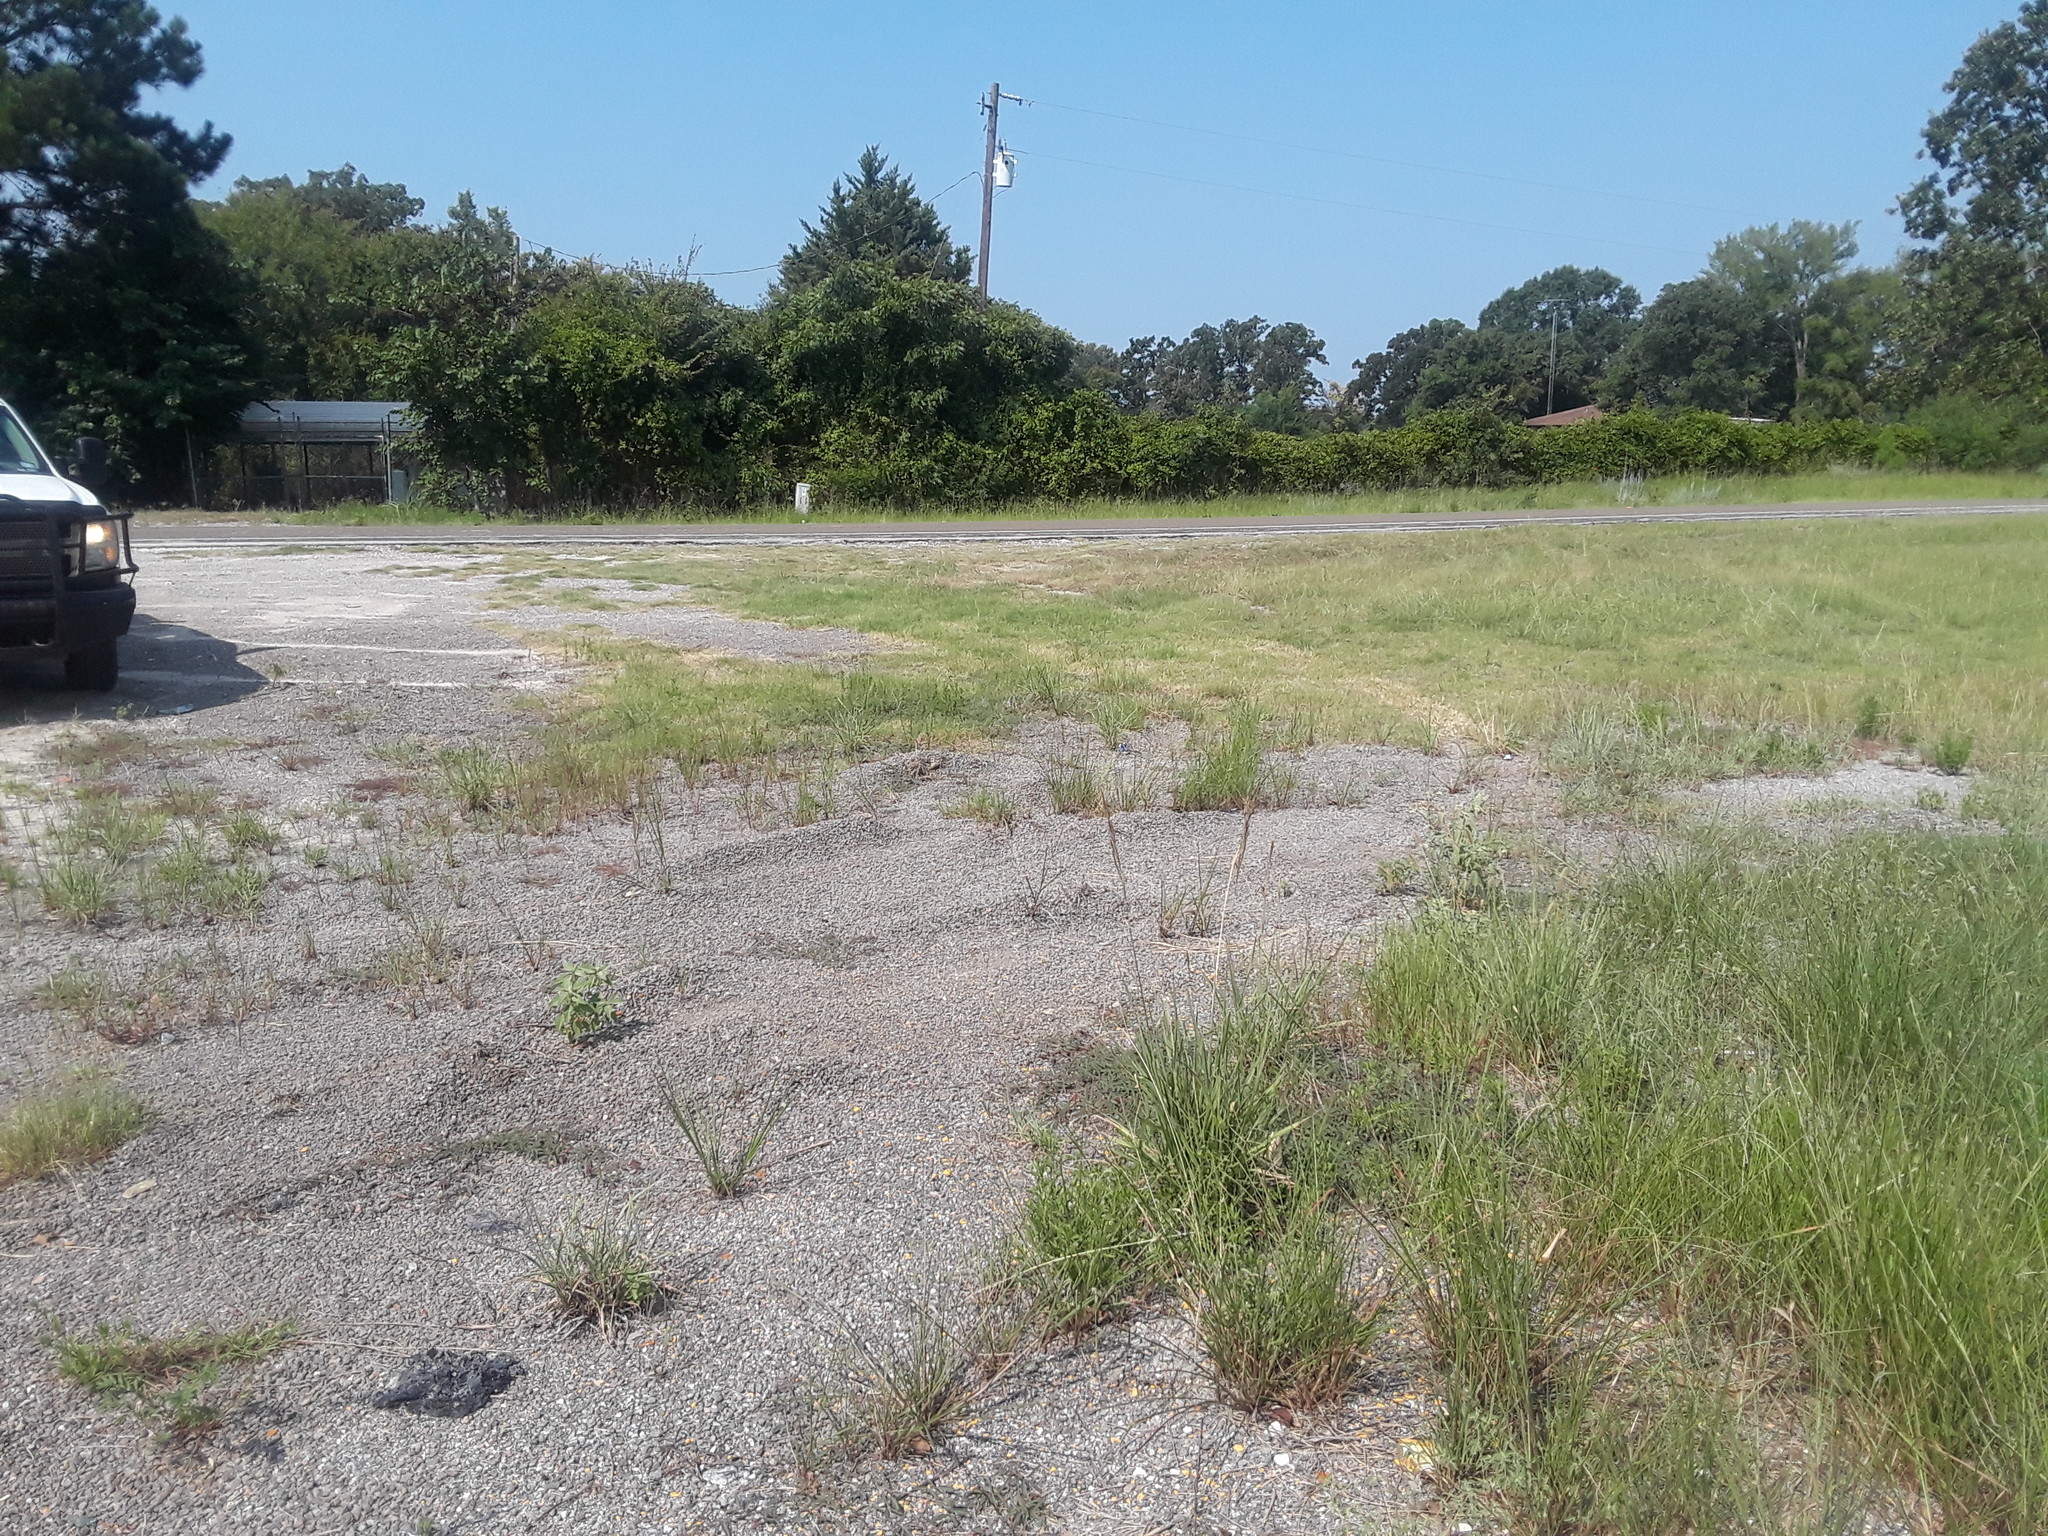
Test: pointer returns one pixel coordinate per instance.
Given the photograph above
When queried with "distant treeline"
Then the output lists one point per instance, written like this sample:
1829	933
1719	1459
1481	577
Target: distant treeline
873	370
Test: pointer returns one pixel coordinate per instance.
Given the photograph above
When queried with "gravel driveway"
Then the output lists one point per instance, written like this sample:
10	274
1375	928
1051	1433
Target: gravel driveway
363	1118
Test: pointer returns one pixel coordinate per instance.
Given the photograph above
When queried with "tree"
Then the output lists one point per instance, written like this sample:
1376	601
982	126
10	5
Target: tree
326	262
1241	365
875	215
117	309
1975	315
1386	382
1704	345
1504	365
1786	270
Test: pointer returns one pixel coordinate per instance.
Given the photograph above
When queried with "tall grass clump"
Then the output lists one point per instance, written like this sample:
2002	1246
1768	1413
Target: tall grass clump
1215	1184
81	1122
1231	773
1609	756
1776	1092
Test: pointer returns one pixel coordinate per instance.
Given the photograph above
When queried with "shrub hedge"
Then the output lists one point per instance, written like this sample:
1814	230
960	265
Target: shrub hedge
1082	447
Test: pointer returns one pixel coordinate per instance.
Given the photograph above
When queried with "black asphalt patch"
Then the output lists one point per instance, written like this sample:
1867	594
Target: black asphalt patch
449	1384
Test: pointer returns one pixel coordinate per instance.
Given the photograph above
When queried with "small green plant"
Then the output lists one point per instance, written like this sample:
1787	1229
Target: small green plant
1463	858
392	874
1871	718
1116	714
1079	1255
162	1380
1190	909
246	832
111	1005
1397	875
79	890
990	807
1951	754
1282	1327
1930	800
725	1163
584	1003
116	827
598	1271
473	777
1075	789
1232	774
81	1122
188	802
906	1390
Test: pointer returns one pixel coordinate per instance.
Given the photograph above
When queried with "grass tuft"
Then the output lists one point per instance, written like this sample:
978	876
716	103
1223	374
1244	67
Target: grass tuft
162	1379
726	1161
79	1123
598	1271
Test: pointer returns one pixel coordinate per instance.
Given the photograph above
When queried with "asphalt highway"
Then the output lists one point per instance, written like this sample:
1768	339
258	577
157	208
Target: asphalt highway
1025	530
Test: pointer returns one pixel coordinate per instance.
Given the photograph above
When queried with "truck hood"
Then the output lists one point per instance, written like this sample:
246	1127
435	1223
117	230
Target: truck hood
45	488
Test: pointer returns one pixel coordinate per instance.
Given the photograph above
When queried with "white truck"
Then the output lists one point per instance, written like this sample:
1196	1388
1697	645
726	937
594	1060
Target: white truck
64	560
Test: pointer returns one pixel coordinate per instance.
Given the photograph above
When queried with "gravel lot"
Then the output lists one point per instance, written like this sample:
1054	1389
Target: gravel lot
910	980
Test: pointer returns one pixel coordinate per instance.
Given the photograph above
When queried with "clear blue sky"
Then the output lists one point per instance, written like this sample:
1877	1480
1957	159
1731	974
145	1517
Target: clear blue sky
637	131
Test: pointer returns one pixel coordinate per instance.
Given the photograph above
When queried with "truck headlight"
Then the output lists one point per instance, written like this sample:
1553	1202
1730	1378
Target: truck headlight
99	546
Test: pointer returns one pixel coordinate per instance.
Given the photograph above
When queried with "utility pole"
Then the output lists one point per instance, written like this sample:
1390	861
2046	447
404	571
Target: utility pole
1550	395
991	147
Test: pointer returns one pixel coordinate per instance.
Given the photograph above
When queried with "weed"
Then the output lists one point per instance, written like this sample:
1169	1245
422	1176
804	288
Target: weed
1230	774
392	874
583	1003
1462	859
906	1390
1079	1254
473	777
1115	715
725	1164
1872	718
81	1122
990	807
1930	800
99	750
116	827
246	832
188	802
1075	788
1190	909
1951	754
1051	689
105	1002
1397	876
598	1271
165	1379
1610	757
1281	1325
79	890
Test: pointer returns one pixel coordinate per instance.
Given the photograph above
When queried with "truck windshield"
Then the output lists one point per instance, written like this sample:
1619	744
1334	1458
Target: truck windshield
18	455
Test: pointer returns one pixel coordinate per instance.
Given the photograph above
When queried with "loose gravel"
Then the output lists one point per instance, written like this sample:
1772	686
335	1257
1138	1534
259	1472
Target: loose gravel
364	1118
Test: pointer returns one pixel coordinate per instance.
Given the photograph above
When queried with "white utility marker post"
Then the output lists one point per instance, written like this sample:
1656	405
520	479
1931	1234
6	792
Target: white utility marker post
803	498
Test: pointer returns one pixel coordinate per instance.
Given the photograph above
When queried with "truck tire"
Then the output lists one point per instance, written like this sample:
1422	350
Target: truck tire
93	670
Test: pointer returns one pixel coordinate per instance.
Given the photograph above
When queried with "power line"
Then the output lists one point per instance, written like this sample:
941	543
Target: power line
1412	165
1332	202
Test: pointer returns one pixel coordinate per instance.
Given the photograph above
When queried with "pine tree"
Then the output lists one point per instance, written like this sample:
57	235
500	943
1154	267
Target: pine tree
875	215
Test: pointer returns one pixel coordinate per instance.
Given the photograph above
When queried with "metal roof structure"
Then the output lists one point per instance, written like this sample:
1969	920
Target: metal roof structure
324	421
1570	418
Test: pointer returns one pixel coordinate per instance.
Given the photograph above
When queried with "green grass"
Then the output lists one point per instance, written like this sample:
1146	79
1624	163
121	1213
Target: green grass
1637	655
1783	1099
165	1379
1676	490
79	1123
598	1271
